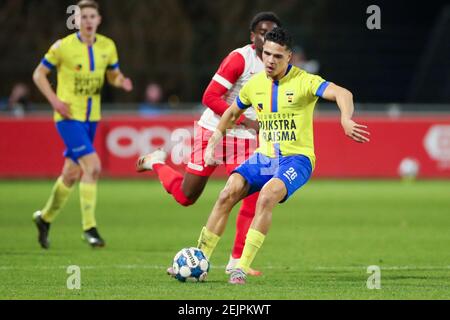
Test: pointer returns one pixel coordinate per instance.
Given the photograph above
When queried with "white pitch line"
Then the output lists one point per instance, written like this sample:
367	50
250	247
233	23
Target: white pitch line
318	268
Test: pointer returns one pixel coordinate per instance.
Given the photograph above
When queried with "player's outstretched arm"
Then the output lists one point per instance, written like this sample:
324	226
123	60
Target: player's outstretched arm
40	79
227	121
344	100
118	80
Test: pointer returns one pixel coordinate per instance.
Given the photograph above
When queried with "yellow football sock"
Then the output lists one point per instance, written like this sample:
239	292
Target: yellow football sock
253	242
58	198
207	242
88	201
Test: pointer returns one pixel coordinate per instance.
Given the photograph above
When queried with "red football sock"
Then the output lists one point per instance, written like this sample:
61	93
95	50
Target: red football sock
171	181
243	222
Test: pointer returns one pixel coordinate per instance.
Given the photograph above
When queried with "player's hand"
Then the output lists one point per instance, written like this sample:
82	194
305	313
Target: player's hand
62	108
251	124
127	84
209	156
355	131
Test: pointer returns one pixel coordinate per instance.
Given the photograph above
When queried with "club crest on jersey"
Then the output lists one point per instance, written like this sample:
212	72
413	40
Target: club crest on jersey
290	96
78	67
260	107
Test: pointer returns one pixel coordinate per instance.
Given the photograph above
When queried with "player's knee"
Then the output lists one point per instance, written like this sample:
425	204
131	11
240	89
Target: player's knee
69	180
96	172
192	196
71	176
93	172
229	196
267	199
185	201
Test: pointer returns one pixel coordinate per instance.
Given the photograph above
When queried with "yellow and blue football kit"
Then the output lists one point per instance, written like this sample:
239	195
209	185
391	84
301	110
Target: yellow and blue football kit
285	114
81	72
286	141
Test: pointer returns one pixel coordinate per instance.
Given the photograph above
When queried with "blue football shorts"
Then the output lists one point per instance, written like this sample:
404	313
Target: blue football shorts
78	138
294	171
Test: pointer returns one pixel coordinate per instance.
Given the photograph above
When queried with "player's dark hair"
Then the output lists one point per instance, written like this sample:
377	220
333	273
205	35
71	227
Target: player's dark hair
280	36
264	16
88	4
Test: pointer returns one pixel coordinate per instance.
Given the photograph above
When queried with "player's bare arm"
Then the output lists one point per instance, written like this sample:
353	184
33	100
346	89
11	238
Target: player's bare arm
227	121
344	100
118	80
250	124
40	79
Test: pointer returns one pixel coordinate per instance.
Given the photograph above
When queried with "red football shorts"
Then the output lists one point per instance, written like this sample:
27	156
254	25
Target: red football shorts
231	152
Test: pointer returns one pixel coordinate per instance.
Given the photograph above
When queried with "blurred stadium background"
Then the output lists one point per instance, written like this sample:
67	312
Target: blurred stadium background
179	44
400	78
170	49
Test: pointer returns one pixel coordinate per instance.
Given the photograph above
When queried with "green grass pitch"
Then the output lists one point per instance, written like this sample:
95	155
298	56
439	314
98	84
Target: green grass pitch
320	245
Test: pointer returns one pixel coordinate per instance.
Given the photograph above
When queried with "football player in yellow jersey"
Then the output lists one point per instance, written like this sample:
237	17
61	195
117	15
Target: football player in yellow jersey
284	98
81	60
